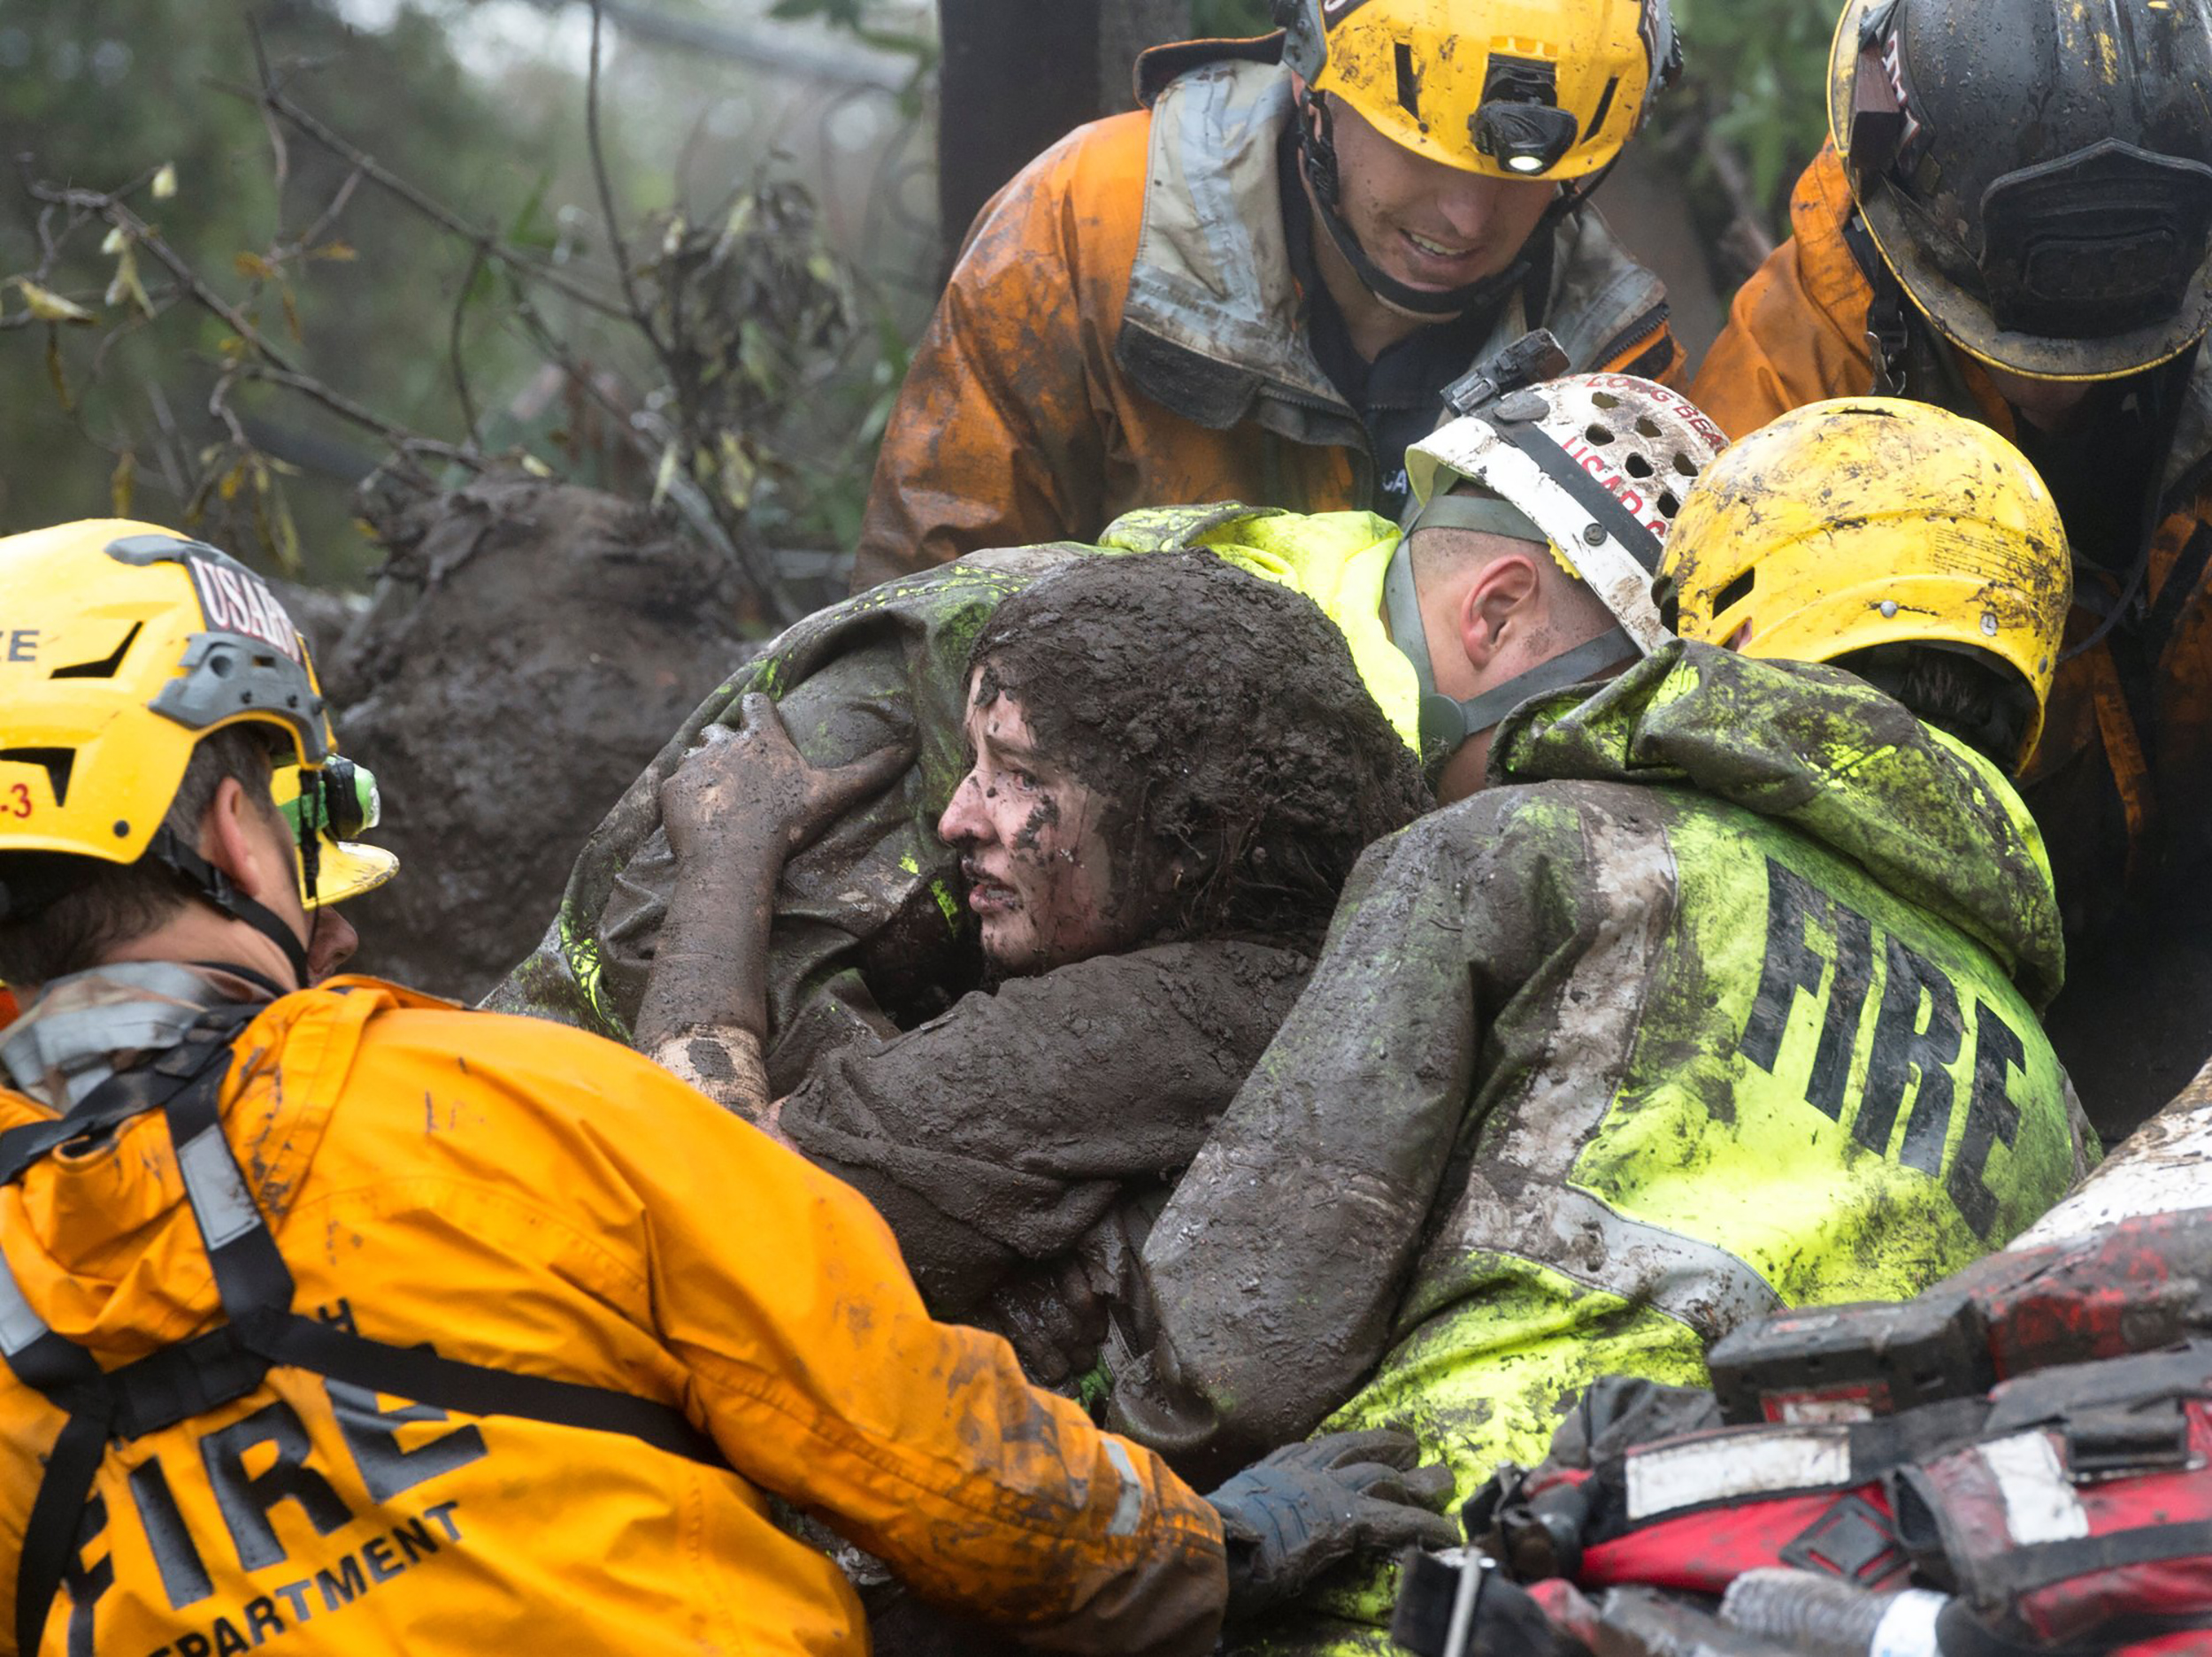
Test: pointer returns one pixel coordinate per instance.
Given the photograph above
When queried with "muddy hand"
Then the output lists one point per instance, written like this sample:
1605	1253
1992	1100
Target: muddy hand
752	783
1287	1518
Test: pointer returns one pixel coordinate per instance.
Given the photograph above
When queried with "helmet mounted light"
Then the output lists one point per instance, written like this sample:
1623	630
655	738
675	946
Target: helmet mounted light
1519	123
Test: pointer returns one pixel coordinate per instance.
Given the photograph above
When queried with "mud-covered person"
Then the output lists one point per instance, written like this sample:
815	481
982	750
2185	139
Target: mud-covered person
1174	766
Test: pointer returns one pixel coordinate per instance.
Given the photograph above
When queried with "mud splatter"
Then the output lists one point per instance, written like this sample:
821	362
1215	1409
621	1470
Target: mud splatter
1243	765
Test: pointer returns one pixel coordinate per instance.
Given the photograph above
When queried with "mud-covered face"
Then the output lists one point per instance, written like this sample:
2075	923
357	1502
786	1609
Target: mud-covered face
1429	226
1032	845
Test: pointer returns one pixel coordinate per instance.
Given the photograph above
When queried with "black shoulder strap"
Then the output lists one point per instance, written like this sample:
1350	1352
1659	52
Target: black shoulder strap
263	1331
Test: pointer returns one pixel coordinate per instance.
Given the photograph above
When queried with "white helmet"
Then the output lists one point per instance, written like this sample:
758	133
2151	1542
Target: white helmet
1595	466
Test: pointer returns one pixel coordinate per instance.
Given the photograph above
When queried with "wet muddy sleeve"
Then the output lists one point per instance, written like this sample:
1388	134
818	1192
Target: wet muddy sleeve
998	1135
1275	1271
994	440
817	1371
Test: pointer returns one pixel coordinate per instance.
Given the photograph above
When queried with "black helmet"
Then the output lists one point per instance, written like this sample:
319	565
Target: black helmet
2037	172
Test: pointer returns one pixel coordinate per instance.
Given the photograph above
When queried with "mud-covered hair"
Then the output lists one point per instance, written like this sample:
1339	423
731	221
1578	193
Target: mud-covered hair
1219	720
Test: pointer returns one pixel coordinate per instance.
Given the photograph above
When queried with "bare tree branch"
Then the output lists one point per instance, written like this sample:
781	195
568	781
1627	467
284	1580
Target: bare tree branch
453	344
639	314
492	247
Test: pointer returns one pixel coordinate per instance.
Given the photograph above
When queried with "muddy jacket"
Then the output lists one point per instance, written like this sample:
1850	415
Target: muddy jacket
503	1190
873	933
1721	998
1123	329
1005	1142
2122	779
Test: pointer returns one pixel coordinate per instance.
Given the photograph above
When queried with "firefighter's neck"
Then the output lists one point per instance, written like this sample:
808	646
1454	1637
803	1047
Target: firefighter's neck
254	853
1374	324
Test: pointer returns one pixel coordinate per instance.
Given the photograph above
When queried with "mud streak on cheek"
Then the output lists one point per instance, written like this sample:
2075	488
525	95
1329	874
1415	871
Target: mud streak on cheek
1043	815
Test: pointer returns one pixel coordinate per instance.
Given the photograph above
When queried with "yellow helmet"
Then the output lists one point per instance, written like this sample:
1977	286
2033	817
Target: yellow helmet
122	645
1510	89
1865	521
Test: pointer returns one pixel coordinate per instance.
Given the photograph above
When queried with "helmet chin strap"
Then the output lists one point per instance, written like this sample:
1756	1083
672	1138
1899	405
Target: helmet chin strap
1316	151
216	887
1448	722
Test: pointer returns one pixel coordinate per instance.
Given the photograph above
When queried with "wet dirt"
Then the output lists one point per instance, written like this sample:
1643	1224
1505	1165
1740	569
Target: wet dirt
1244	765
530	646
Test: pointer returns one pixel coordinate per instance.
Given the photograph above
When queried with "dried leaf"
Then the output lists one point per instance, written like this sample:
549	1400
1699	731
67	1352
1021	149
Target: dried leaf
165	182
341	251
291	312
54	373
49	306
115	241
127	285
535	467
275	513
233	480
665	473
123	483
738	472
253	268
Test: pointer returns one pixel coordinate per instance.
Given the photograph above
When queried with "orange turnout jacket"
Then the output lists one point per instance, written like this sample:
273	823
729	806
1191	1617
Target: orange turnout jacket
2122	779
1123	329
526	1197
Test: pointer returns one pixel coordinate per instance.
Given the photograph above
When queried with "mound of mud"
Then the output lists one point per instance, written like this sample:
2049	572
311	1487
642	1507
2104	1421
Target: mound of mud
530	646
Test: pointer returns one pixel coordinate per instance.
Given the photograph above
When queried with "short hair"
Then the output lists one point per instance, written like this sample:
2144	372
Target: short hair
1965	692
64	914
1221	722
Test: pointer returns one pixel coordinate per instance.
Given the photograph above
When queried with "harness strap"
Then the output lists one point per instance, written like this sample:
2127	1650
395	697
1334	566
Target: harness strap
1446	721
1591	495
229	1361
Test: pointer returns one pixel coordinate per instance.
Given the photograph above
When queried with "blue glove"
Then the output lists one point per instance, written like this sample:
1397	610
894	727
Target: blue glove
1291	1516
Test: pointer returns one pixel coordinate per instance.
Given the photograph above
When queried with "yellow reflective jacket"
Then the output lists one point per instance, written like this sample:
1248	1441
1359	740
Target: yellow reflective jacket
1721	998
537	1201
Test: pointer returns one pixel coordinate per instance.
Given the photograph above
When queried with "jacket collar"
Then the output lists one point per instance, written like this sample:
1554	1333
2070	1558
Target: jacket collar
1212	330
81	1028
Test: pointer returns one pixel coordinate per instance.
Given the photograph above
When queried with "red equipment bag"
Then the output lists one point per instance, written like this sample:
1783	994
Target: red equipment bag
2083	1511
2068	1510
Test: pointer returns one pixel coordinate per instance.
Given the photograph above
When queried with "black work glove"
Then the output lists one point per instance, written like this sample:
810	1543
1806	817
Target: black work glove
1291	1516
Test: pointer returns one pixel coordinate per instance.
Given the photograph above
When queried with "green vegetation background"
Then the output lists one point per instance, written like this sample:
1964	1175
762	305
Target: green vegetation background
97	92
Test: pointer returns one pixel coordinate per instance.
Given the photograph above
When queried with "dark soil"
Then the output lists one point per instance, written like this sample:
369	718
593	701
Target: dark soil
531	647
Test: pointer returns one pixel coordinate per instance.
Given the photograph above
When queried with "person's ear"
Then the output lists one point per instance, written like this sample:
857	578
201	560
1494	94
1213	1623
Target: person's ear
1498	607
247	844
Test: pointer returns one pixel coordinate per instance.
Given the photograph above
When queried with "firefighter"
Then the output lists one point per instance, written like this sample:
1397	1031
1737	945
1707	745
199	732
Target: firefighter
2011	220
342	1315
1256	287
1721	997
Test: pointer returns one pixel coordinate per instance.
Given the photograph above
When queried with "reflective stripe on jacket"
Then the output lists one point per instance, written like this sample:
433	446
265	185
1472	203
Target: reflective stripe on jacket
1124	330
1722	998
2122	779
529	1198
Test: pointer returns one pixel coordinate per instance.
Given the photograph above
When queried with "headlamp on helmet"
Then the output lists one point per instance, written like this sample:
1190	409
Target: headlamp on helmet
1519	124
